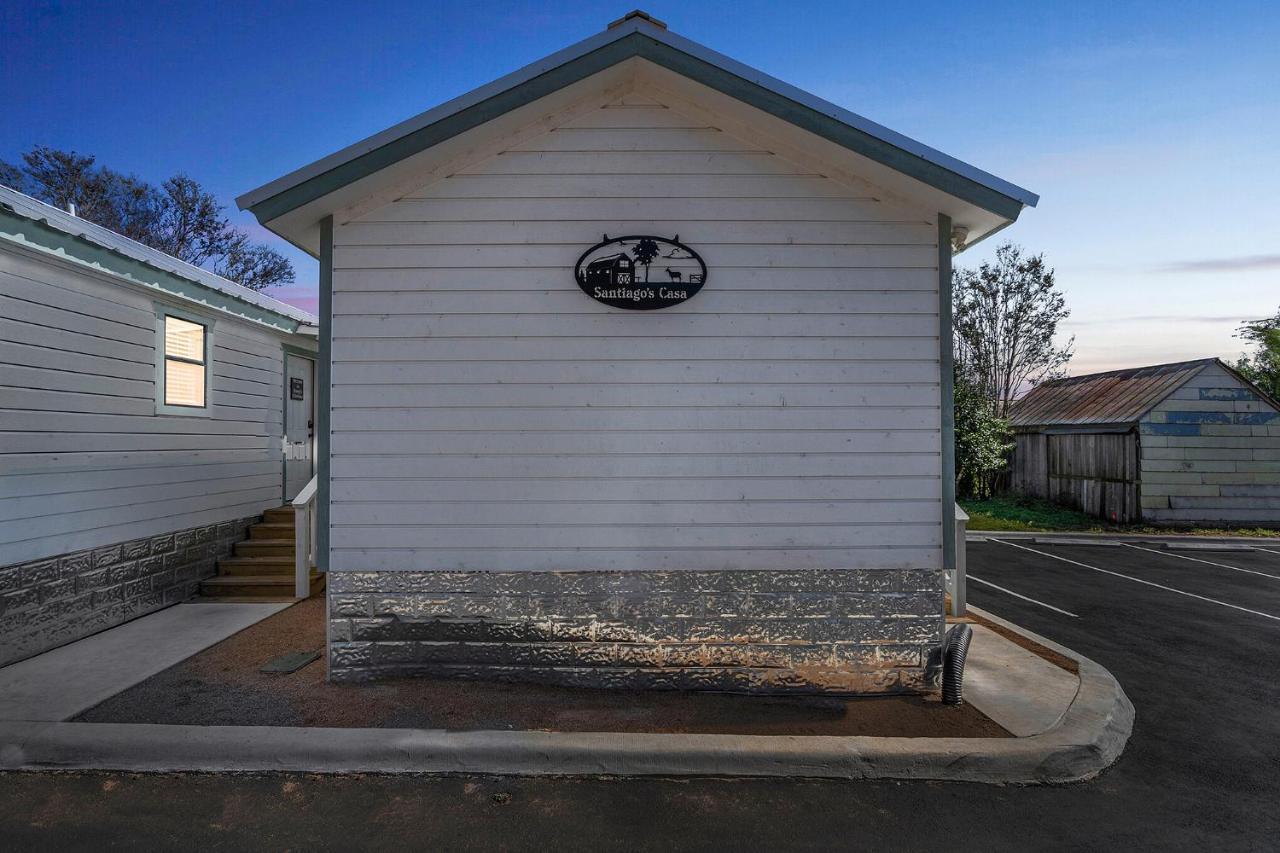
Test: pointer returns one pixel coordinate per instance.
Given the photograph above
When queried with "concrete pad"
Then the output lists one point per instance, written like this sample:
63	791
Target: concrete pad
60	683
1018	689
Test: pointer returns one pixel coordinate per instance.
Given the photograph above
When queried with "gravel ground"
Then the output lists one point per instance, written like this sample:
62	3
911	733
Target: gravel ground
222	686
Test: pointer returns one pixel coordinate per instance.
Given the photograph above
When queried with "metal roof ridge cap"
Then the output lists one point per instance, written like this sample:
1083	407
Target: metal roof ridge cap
1085	377
34	209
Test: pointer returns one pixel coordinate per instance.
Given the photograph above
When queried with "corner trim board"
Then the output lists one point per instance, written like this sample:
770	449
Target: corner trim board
946	380
323	373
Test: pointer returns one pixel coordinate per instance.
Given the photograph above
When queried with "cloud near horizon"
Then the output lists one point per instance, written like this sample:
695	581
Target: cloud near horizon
1153	318
1244	263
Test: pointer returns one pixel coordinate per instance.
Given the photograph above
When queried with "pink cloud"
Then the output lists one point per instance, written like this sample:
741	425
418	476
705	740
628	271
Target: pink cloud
302	296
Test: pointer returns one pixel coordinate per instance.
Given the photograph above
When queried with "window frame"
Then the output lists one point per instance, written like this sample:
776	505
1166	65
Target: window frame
162	408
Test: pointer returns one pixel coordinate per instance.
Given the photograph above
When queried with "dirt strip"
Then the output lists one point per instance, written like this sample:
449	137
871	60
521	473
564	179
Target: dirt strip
1058	660
223	686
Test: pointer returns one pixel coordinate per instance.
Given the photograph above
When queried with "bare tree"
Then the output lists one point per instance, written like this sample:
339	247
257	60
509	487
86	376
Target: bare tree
179	217
1006	317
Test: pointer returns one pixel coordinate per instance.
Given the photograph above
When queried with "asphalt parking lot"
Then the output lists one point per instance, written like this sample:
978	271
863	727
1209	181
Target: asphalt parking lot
1192	635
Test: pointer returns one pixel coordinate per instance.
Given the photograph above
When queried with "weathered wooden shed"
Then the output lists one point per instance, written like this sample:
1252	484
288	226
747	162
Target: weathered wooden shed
1192	441
721	465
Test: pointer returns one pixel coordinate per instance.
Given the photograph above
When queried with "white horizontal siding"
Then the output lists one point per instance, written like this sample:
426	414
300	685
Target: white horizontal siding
84	459
488	415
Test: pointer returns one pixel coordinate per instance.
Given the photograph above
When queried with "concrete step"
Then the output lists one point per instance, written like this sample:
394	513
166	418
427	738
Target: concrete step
269	565
265	548
261	588
267	530
278	515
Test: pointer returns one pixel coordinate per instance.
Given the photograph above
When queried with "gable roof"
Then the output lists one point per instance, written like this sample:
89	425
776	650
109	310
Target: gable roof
637	35
1114	397
136	261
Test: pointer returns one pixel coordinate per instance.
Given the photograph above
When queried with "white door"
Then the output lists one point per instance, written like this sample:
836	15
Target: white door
299	423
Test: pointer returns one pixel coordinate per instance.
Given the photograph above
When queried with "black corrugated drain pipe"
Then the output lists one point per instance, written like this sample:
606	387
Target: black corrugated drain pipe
955	648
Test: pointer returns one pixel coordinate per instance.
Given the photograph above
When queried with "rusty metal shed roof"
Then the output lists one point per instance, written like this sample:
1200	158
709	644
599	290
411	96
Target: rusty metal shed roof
1115	397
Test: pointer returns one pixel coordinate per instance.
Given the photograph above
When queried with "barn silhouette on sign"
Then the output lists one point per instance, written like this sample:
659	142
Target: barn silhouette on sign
611	270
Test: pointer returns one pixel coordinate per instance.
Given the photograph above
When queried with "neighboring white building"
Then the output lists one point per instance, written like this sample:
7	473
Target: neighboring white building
747	489
142	423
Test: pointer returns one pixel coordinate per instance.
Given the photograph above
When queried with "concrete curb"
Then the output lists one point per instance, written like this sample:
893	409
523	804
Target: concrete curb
980	535
1088	738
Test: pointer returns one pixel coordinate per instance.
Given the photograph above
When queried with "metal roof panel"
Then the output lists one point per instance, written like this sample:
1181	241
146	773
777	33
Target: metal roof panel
1118	396
34	209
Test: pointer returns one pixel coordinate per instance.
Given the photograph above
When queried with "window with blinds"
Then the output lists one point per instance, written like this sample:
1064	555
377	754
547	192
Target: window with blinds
184	363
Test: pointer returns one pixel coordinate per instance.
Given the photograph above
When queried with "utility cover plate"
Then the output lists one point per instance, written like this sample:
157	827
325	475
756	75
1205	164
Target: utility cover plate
291	662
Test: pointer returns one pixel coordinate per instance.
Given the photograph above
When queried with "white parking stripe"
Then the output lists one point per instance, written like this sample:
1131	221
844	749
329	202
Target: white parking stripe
1265	550
1140	580
1023	597
1198	560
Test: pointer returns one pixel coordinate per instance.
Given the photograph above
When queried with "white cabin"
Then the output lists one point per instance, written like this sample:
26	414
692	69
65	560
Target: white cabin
781	434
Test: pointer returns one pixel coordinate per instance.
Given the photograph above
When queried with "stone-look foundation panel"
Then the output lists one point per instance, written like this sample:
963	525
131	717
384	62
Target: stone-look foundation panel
50	602
794	631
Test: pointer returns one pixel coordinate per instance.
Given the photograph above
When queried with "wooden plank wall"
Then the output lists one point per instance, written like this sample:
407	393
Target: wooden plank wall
1096	473
1029	475
488	414
84	459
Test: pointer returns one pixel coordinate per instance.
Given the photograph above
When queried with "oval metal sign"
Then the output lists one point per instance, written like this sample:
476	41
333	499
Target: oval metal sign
640	272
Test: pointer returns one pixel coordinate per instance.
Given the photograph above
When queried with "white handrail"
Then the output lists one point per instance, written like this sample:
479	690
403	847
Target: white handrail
304	538
955	578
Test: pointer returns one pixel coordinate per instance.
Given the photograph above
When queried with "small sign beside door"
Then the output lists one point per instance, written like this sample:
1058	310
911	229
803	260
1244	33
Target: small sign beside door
295	388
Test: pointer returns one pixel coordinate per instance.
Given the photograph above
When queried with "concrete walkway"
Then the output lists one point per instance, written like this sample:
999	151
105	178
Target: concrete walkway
61	683
1019	690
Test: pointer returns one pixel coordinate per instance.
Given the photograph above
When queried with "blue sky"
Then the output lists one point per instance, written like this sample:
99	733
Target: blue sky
1149	129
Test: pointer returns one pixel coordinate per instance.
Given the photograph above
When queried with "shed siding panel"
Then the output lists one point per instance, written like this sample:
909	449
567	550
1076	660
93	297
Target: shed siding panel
1210	453
487	414
84	459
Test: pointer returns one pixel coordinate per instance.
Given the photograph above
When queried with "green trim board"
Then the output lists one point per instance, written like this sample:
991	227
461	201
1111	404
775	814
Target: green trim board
324	363
302	352
946	368
645	46
47	239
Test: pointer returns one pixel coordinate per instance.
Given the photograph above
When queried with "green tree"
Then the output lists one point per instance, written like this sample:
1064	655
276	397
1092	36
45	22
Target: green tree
983	440
644	253
1006	317
178	217
1262	366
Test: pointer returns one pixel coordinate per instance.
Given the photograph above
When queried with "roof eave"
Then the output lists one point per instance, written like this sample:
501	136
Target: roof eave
638	38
